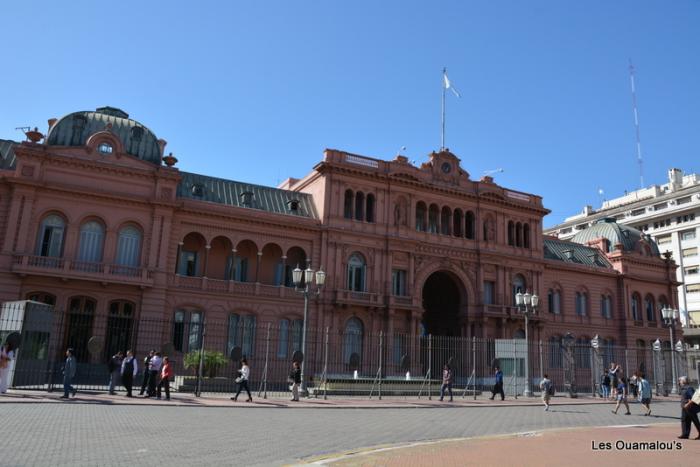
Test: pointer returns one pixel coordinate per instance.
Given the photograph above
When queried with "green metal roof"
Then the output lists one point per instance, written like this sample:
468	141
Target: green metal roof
616	233
232	193
7	154
570	252
74	130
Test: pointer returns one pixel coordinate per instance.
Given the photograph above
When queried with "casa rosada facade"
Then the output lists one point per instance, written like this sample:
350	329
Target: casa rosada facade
95	219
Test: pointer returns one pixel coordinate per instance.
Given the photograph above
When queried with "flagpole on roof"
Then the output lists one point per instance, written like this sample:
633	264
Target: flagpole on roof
444	88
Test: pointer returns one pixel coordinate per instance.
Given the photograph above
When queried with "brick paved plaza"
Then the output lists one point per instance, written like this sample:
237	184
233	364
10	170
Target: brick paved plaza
93	432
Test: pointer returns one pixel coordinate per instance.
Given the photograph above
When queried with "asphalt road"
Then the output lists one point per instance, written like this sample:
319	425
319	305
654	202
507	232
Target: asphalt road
74	434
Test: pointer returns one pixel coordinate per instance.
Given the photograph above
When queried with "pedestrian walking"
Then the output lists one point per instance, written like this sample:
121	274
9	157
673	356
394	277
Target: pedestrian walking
7	354
547	389
69	370
447	380
605	384
621	396
498	386
154	367
633	385
115	371
689	409
645	393
130	369
295	379
146	373
166	374
242	380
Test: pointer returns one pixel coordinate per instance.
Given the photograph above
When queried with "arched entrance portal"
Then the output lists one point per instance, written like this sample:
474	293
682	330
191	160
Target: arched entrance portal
444	298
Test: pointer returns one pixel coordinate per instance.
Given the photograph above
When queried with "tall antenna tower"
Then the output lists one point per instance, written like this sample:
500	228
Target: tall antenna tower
636	125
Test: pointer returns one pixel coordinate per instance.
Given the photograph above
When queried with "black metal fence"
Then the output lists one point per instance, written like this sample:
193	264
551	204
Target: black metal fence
335	363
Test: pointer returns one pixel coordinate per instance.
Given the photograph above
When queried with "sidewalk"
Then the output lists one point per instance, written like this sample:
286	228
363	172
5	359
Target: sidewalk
222	400
600	446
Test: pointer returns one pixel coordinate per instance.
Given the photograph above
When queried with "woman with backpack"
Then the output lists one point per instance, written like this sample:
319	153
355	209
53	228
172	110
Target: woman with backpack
547	389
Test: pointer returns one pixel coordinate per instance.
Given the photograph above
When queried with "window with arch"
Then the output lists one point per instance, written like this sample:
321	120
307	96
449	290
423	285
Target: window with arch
518	286
51	234
511	233
42	297
518	234
433	218
92	234
606	306
348	204
457	223
369	211
445	220
352	339
283	339
649	308
357	269
554	301
635	305
187	330
119	327
241	333
469	223
128	247
421	213
526	235
582	353
555	352
359	206
581	303
81	314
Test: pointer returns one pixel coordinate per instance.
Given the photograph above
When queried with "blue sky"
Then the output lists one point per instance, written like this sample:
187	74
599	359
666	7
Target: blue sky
254	91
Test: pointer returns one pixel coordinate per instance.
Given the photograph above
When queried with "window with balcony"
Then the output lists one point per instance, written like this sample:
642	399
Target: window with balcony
348	204
649	308
518	286
489	293
356	273
606	306
129	247
189	262
398	282
51	235
91	242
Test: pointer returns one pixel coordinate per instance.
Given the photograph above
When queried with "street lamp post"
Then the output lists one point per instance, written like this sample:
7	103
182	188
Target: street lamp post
527	304
306	291
670	317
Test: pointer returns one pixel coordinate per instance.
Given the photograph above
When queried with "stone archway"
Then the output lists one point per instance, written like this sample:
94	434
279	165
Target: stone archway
444	300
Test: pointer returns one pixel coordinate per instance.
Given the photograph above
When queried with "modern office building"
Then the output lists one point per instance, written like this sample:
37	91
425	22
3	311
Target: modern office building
670	215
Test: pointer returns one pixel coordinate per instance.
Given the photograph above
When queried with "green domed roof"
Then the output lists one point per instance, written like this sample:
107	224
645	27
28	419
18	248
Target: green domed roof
74	130
616	233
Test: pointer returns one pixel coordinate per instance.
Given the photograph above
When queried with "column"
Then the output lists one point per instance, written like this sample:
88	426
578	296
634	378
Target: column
206	261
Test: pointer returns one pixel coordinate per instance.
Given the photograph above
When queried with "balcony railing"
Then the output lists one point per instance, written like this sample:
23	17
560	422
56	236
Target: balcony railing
358	298
206	284
65	268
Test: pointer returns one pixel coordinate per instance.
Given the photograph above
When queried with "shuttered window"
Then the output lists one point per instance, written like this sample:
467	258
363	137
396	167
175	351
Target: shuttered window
92	236
129	247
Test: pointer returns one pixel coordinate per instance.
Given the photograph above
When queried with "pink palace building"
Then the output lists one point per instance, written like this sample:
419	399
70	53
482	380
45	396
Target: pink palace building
96	219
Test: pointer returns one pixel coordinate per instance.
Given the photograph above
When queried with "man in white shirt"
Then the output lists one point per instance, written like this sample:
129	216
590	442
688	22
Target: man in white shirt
154	367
